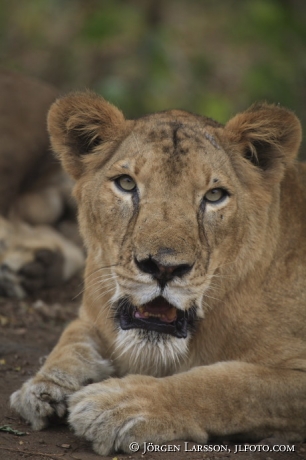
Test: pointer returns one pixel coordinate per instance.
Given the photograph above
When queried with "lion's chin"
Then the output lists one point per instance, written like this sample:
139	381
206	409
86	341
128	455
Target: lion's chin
157	315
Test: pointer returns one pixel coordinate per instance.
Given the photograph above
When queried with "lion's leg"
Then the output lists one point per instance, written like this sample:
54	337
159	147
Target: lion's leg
75	361
34	257
218	400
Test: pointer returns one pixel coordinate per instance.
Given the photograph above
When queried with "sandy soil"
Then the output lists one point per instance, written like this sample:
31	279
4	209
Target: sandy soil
28	331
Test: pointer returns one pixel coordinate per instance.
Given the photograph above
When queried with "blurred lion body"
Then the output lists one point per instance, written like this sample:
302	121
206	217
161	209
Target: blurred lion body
34	191
195	278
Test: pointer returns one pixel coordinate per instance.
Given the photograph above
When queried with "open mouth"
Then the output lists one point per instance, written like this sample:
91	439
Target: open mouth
157	315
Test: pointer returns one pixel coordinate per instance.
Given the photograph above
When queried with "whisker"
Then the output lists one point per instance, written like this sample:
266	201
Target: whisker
106	267
102	310
99	280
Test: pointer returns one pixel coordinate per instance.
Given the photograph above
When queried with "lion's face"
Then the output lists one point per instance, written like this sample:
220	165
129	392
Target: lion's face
162	224
173	211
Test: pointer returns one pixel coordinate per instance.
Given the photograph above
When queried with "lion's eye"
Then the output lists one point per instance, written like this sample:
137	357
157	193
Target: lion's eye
215	195
126	183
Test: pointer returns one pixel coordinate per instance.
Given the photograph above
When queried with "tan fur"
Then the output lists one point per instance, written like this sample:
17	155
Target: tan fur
34	192
241	370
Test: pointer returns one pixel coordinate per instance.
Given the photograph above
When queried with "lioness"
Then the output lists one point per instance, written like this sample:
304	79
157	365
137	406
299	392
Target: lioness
195	278
33	192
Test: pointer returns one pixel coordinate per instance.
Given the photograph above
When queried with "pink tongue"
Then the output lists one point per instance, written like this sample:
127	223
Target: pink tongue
158	307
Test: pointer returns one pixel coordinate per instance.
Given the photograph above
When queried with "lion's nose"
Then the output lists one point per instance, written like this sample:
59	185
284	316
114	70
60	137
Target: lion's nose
161	272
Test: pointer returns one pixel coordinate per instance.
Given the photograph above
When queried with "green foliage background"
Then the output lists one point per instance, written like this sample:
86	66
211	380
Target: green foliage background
208	56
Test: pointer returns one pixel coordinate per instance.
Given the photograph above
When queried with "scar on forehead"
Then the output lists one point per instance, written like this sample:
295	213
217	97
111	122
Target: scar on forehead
212	140
136	141
140	162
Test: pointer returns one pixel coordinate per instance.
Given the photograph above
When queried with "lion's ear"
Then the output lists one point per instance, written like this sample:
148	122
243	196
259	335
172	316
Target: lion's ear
267	135
78	124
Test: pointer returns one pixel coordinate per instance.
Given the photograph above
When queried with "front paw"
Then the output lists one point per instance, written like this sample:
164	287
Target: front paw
38	400
117	412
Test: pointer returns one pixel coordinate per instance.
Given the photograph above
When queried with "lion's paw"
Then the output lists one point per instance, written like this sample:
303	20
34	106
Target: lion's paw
28	270
116	413
34	258
39	400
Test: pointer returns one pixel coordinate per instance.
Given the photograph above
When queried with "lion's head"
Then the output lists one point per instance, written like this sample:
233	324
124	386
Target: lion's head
175	210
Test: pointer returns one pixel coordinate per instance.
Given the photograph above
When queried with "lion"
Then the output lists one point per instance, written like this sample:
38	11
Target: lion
193	321
34	192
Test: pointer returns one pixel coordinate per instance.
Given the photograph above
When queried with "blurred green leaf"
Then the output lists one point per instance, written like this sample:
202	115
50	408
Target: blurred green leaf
8	429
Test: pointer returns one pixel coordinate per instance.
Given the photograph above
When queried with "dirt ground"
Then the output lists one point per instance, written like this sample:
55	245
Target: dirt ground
29	329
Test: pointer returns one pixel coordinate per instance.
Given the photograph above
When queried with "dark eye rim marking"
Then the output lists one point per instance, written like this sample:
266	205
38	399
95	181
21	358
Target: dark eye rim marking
225	194
119	186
